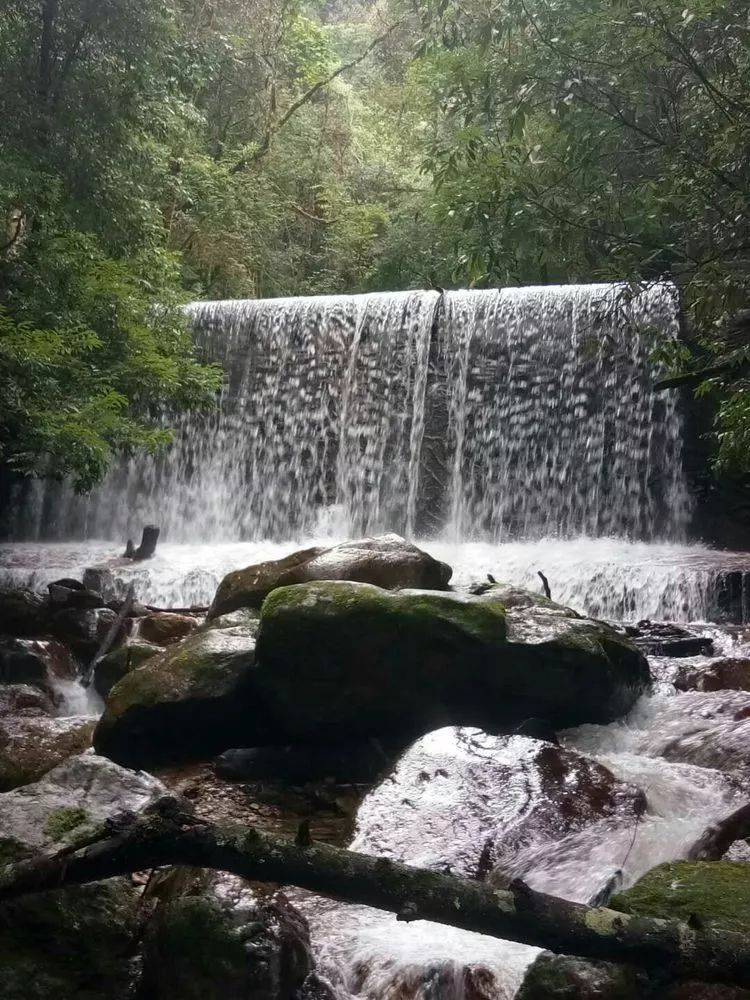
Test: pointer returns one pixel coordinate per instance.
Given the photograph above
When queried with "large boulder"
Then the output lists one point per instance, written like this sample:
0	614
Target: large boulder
387	561
191	701
350	659
39	662
75	942
32	746
23	613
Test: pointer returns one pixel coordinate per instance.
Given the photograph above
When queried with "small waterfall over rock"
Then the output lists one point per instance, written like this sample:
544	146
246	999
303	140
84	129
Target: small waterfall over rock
488	415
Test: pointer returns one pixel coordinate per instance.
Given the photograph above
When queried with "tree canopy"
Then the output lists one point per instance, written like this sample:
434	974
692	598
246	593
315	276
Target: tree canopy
154	152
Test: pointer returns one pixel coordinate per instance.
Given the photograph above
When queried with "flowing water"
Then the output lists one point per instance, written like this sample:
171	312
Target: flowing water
517	431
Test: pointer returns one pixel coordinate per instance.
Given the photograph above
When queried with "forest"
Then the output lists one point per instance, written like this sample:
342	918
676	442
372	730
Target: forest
159	152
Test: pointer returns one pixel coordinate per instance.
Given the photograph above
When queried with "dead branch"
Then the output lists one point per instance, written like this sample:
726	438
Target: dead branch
165	835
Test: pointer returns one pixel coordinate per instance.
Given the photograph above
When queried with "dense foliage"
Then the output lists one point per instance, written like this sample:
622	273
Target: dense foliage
153	152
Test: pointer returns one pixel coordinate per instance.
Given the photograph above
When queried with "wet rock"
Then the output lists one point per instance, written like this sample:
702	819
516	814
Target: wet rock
101	580
566	977
315	987
478	804
387	561
248	617
63	595
715	893
190	702
717	675
32	746
25	700
516	597
83	629
357	762
35	661
667	639
74	942
23	613
113	667
203	948
347	659
164	628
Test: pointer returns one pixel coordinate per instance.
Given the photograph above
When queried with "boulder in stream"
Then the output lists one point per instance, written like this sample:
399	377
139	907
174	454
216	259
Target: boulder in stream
191	701
119	662
387	561
566	977
165	627
716	675
32	746
74	942
35	661
348	659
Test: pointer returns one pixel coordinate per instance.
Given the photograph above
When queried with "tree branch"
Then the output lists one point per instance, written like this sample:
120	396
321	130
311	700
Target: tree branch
164	835
275	128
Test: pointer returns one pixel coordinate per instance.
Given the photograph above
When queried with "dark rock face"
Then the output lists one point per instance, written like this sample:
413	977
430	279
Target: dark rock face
667	639
388	561
83	629
24	700
23	613
34	661
341	659
203	948
718	675
188	703
357	762
565	977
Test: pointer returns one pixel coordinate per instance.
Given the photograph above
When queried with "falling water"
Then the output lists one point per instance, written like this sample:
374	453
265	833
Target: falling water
493	415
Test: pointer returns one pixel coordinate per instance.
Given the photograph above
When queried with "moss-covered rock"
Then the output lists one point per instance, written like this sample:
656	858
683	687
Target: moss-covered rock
73	943
32	746
713	892
113	667
198	948
566	977
184	704
340	658
387	561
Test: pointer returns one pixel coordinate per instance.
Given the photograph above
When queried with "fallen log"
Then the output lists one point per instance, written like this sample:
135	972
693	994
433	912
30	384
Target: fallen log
165	835
717	838
114	630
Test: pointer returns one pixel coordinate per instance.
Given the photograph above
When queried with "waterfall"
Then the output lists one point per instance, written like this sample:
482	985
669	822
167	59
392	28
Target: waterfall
488	415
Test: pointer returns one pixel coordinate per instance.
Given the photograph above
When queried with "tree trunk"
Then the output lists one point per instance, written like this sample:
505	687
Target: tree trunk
163	835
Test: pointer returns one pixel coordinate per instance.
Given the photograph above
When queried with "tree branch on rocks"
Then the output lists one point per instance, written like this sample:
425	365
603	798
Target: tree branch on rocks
165	835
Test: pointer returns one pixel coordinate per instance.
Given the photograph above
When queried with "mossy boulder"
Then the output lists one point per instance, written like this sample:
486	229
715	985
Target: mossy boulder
713	892
115	665
338	658
32	746
204	948
567	977
75	942
387	561
186	703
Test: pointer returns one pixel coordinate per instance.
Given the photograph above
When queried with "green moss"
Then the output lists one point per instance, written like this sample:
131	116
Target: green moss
203	666
716	892
61	822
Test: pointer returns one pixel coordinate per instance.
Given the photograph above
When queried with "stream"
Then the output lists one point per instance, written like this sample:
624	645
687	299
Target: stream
459	799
